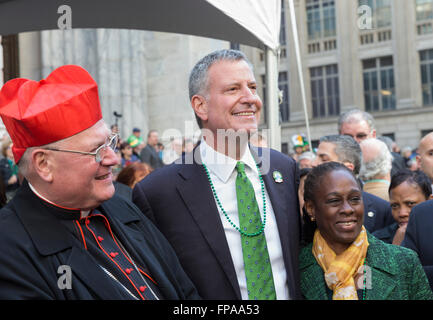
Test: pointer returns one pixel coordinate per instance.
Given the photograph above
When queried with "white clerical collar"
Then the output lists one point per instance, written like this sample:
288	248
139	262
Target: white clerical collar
84	213
221	165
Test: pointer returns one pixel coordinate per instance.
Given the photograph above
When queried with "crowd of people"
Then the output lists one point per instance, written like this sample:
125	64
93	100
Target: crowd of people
234	220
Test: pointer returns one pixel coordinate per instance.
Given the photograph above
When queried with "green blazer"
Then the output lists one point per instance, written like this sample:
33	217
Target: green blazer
396	274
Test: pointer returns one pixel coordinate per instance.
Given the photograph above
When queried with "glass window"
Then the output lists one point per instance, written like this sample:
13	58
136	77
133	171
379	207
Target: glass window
379	86
320	19
426	58
325	93
381	10
283	85
283	25
424	10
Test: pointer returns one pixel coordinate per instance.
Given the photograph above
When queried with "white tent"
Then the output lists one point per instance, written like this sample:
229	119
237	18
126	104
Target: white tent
250	22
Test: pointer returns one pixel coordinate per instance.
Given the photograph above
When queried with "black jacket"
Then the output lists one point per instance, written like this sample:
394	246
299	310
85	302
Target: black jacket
377	212
178	198
34	244
419	236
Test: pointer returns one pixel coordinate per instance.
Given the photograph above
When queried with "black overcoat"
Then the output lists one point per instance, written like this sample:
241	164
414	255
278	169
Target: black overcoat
34	244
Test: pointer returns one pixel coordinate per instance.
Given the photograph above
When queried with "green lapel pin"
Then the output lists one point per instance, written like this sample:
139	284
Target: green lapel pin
278	177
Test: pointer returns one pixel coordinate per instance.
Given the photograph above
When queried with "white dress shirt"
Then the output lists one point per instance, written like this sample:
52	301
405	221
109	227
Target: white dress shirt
223	173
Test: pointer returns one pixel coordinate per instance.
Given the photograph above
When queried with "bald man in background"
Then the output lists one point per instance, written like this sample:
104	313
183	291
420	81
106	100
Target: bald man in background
424	157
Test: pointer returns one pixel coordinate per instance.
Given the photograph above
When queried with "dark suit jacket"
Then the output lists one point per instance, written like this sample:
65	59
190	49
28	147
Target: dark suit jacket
377	212
34	243
396	274
178	198
419	235
150	156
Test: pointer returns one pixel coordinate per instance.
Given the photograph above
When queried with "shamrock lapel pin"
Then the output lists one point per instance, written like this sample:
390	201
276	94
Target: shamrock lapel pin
278	177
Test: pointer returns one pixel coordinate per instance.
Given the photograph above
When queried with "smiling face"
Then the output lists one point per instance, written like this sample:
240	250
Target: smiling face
231	100
338	209
403	198
358	130
78	181
325	153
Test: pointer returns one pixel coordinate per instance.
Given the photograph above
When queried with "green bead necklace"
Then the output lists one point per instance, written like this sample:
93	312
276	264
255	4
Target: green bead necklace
225	213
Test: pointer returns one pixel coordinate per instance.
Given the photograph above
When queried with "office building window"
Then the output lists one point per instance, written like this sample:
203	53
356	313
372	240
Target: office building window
283	25
283	85
379	88
320	19
424	16
424	10
426	59
381	11
325	92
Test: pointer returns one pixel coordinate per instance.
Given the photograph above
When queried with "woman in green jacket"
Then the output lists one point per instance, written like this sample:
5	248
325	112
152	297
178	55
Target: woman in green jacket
341	260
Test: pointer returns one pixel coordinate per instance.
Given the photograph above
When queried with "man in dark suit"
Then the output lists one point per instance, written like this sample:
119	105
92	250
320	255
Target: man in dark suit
197	203
419	236
344	149
149	154
64	235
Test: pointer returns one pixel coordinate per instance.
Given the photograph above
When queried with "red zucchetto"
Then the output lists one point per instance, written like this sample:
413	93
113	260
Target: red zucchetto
37	113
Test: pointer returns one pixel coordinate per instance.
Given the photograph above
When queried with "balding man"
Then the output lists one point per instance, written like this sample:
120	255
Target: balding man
358	124
376	167
424	157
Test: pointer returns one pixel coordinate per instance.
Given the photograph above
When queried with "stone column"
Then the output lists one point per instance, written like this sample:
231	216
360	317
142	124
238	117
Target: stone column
349	64
406	61
296	104
29	55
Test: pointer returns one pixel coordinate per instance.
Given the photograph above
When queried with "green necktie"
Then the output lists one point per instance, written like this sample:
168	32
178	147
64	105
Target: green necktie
258	272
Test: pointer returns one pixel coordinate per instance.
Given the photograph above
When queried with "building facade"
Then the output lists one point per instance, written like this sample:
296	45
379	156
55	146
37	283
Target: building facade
375	55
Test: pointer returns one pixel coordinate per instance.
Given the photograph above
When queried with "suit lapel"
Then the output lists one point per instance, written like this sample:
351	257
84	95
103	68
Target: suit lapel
196	192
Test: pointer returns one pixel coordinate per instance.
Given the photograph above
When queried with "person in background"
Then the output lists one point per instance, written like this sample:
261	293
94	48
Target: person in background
342	260
127	155
149	154
376	166
407	189
358	124
408	155
9	170
258	140
398	162
424	155
302	176
306	159
173	151
135	138
133	173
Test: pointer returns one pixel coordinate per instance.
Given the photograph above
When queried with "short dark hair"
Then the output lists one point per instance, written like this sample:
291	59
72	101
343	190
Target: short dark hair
346	149
418	178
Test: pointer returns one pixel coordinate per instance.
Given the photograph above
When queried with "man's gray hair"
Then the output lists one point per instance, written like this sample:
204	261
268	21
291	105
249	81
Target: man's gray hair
346	149
198	78
379	164
356	115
